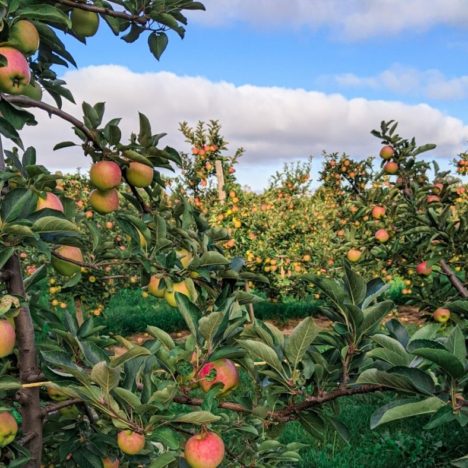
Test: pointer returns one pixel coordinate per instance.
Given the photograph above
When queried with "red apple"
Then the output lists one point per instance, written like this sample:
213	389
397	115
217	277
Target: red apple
105	175
387	152
50	201
67	268
24	37
104	202
441	315
423	269
354	255
378	212
8	428
139	175
110	463
382	236
130	442
391	167
7	338
437	188
15	75
226	373
204	450
433	199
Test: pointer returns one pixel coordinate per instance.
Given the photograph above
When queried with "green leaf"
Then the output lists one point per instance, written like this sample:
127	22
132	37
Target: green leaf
188	310
132	353
5	255
456	344
377	377
162	336
168	437
420	379
447	361
399	410
355	285
313	424
374	315
127	396
45	13
394	348
300	340
157	43
54	224
209	324
460	462
197	417
8	384
106	377
163	460
212	259
263	352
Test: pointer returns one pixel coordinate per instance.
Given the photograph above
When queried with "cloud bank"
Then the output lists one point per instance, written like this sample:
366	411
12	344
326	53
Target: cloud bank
349	19
273	124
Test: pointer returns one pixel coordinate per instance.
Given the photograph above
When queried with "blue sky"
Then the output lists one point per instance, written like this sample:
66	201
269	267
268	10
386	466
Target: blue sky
341	63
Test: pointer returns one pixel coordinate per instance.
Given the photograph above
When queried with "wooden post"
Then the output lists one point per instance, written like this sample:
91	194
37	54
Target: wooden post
220	177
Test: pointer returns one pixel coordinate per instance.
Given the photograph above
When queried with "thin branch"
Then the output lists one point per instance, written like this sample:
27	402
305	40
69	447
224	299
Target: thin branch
457	284
142	20
58	406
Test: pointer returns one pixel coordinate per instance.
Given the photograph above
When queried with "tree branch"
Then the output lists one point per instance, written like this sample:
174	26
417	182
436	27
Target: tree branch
24	101
58	406
457	284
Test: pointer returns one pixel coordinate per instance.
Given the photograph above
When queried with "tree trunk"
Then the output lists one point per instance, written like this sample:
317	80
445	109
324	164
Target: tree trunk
29	371
220	177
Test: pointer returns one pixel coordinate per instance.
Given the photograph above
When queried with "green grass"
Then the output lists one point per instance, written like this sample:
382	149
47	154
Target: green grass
397	445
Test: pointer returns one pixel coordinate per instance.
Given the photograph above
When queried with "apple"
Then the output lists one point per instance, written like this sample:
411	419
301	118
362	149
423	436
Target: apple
204	450
382	236
226	373
105	175
387	152
33	91
8	428
55	393
139	175
84	23
180	287
24	37
110	462
423	269
433	199
391	167
378	212
153	287
49	201
437	188
104	201
7	338
441	315
130	442
354	255
15	75
67	268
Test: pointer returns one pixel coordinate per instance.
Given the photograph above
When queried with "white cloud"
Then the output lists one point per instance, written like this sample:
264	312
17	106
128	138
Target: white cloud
354	19
428	84
273	124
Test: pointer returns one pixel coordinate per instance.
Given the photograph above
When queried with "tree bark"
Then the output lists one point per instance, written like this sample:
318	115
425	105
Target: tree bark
27	358
457	284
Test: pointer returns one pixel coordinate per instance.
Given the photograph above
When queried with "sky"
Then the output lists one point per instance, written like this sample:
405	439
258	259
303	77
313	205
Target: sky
287	79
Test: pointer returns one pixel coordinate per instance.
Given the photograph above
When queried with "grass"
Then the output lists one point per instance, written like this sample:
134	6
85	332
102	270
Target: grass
396	445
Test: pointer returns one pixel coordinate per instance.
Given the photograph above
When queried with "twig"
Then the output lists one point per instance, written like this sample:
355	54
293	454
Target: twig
58	406
457	284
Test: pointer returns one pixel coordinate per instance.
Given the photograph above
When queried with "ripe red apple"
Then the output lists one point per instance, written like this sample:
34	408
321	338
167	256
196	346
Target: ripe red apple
433	199
15	75
67	268
84	23
105	175
226	373
154	287
50	201
204	450
387	152
24	37
378	212
139	175
8	428
382	236
437	188
354	255
110	462
104	201
391	167
441	315
130	442
7	338
423	269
